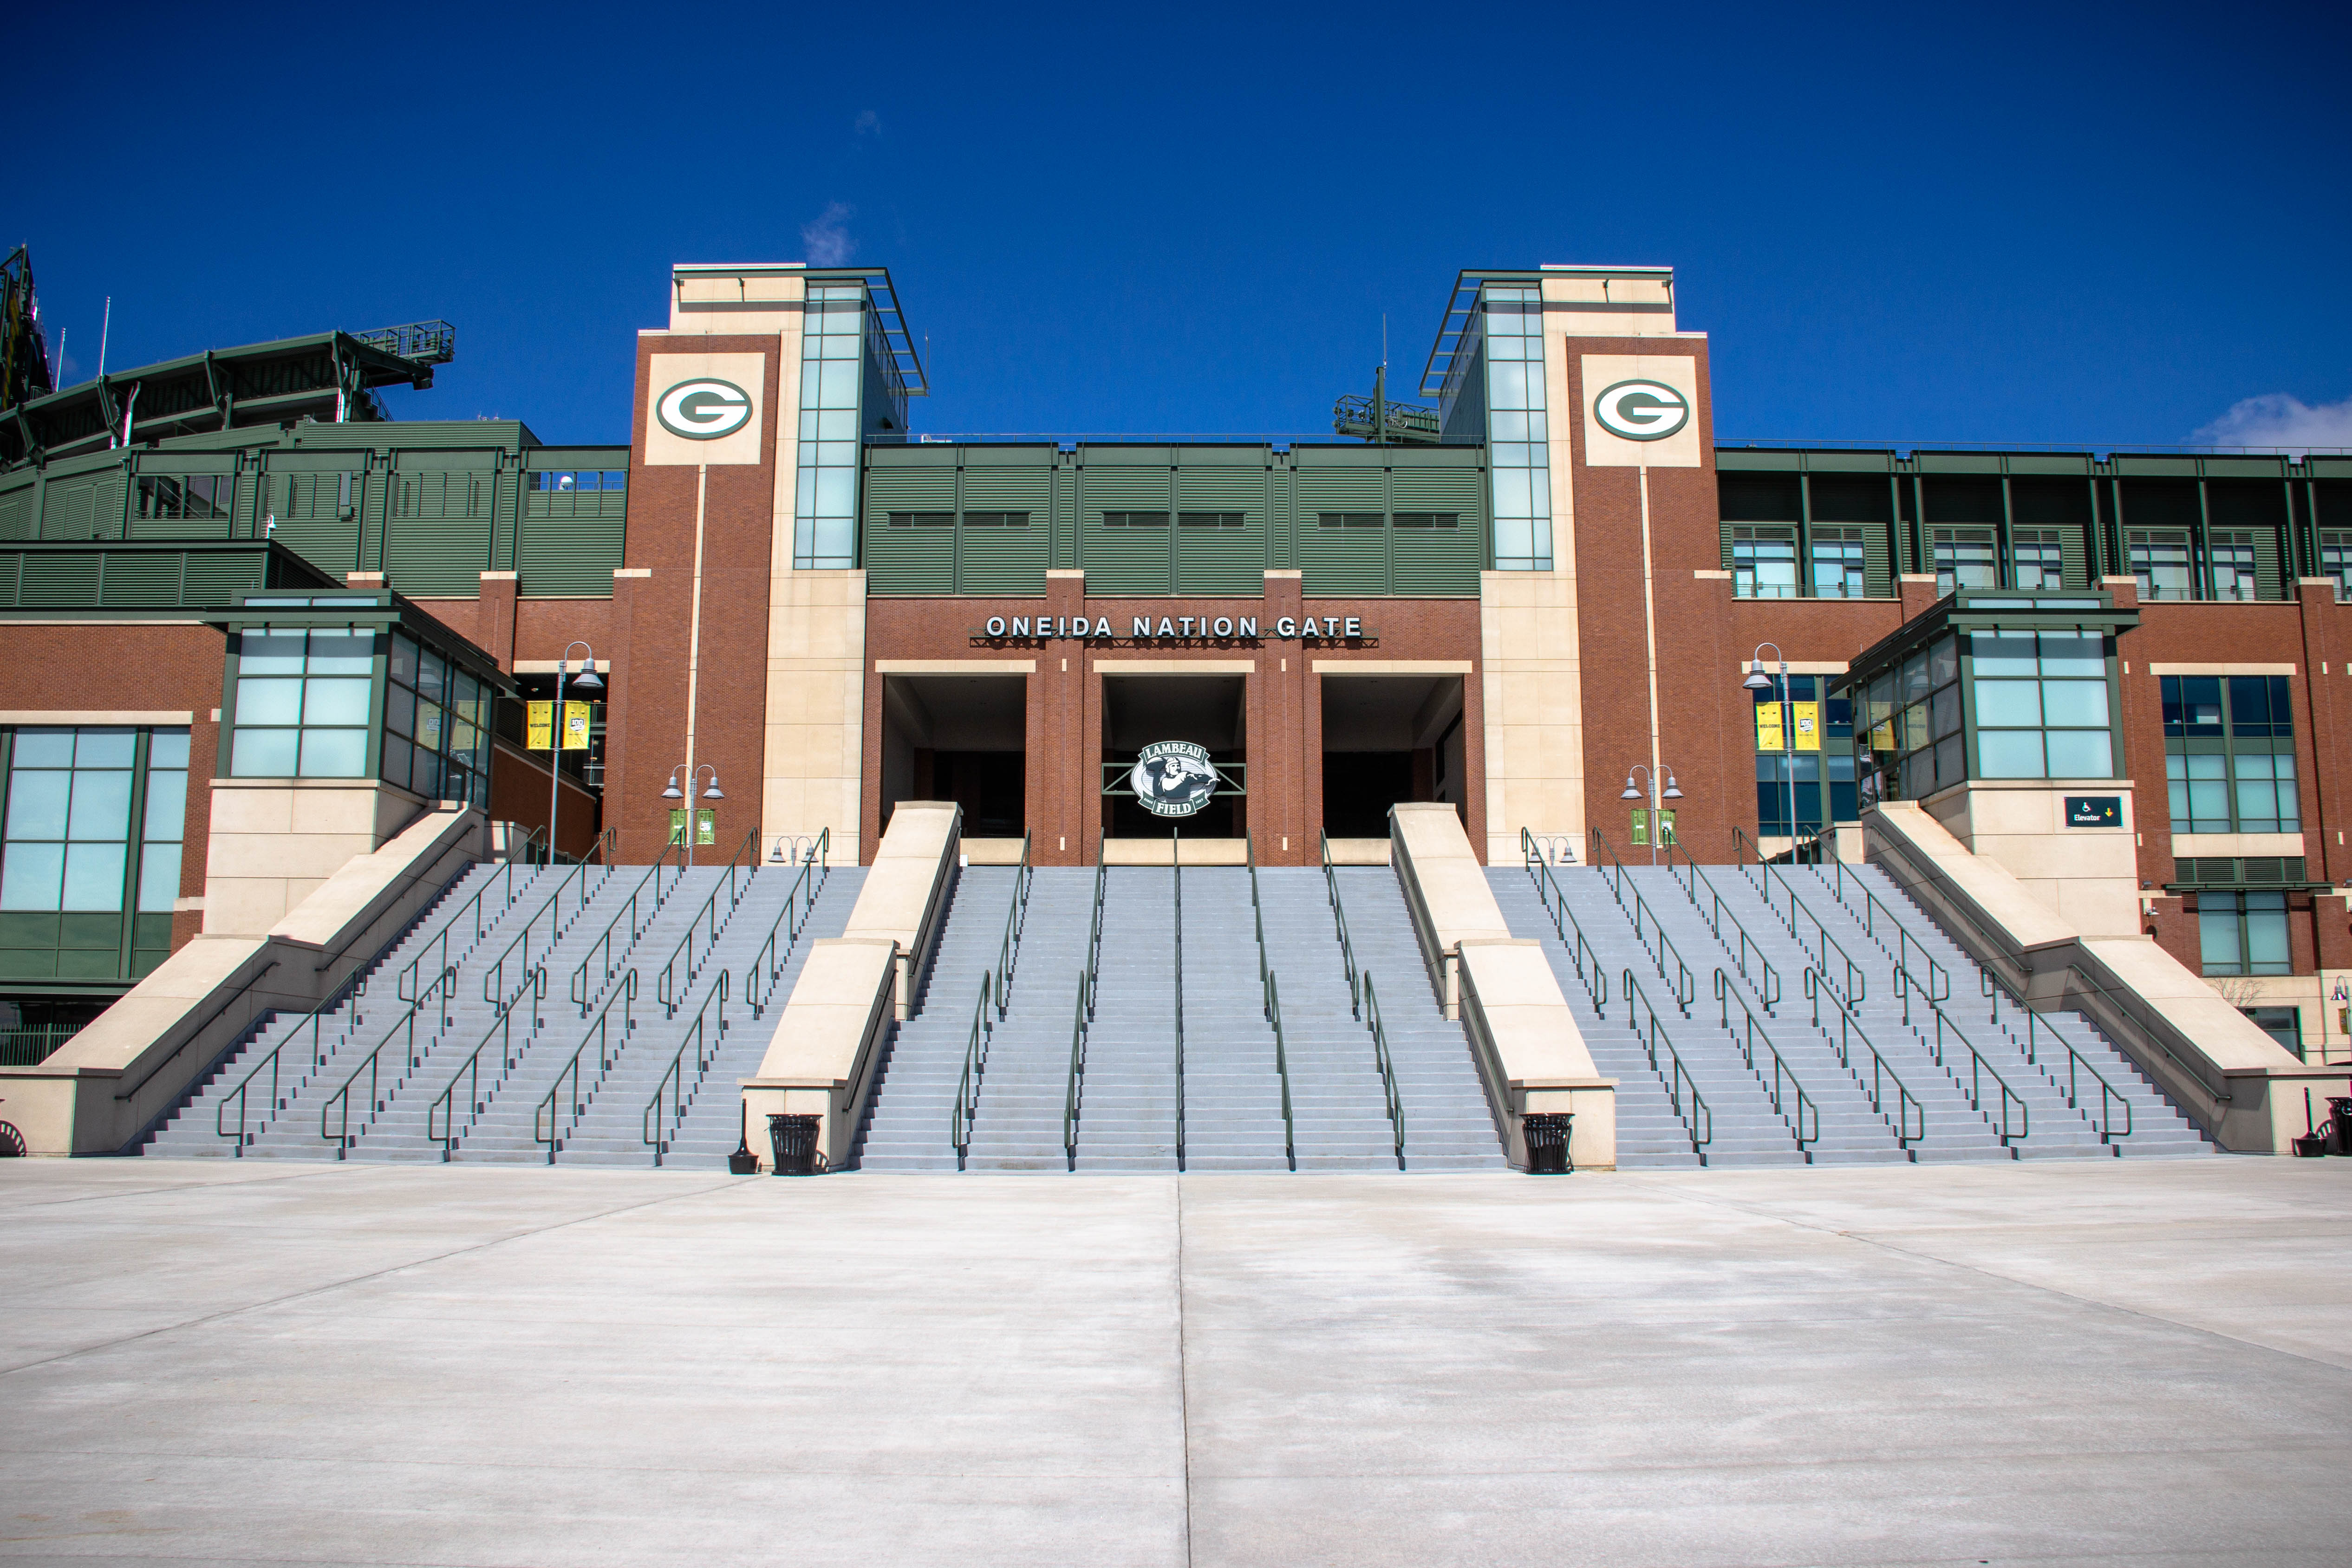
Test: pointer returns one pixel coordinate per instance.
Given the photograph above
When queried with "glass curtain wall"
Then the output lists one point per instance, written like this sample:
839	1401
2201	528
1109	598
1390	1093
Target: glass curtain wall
1519	430
89	865
2229	754
2042	706
1808	756
824	511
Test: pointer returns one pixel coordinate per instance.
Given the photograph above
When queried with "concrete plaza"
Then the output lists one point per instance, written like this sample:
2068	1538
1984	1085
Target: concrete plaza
2104	1362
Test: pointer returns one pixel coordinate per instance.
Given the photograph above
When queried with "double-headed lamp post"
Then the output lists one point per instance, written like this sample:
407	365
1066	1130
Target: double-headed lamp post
588	681
711	792
1757	681
1672	792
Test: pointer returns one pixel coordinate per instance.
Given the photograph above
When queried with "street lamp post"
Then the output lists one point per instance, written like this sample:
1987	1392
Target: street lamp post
711	792
1672	792
588	682
1757	681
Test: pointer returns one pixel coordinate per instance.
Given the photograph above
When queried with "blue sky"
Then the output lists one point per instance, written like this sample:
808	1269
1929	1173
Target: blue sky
2098	224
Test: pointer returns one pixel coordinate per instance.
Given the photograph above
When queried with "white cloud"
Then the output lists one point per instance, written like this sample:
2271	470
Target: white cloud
827	235
2278	419
868	123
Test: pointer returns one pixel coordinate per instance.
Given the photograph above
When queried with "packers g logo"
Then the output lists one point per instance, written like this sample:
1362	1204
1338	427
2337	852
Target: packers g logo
703	409
1641	410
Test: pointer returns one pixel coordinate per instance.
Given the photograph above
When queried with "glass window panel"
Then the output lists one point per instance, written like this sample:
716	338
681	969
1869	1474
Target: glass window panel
400	710
340	701
836	493
2038	560
32	876
2201	705
1944	661
271	654
342	653
2160	559
402	660
837	384
1918	775
1914	726
396	755
2176	781
1513	537
2290	801
1510	427
2209	794
1944	710
168	749
334	754
2007	703
2009	754
105	747
2080	753
2070	654
2218	944
101	806
43	749
2250	704
167	807
2074	702
2267	940
432	674
263	753
429	719
425	775
2005	653
1914	675
159	878
37	803
837	425
1951	762
1506	385
271	701
94	876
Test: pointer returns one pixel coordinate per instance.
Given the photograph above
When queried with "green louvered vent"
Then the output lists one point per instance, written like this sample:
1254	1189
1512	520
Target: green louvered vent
1221	558
998	559
217	580
1438	562
436	541
76	505
12	570
146	580
1124	560
60	582
568	557
16	514
909	560
1342	560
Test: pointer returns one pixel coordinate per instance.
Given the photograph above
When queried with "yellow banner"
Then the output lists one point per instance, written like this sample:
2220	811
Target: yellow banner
1809	725
575	725
1641	828
539	725
1767	727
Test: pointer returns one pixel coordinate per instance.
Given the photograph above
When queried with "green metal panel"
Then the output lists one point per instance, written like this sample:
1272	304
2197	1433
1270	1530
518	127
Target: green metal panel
437	537
1438	562
1006	560
16	512
1843	462
60	582
12	568
2076	464
909	560
1959	463
2269	581
1222	560
142	581
1340	561
2073	555
1754	460
2271	468
1124	559
217	577
568	557
2133	466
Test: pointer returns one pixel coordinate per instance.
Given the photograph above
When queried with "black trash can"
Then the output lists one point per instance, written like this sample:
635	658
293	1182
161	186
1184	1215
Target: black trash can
794	1139
1547	1135
2339	1124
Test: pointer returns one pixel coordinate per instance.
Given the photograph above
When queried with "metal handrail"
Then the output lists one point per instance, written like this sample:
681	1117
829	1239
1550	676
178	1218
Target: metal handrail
581	993
706	1045
1676	1082
1855	986
2076	1063
414	970
759	976
1726	994
975	1065
706	915
1938	985
1769	990
1978	1068
494	977
1615	871
1272	995
607	1054
1340	924
1685	988
1554	899
1082	1019
1176	864
1387	1065
1016	920
444	987
444	1104
1905	1104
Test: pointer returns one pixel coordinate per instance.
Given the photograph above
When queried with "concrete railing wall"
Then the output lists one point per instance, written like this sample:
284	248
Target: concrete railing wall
2237	1083
1530	1052
101	1091
829	1039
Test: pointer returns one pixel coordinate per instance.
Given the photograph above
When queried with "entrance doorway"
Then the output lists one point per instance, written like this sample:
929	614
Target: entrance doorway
961	739
1210	711
1386	739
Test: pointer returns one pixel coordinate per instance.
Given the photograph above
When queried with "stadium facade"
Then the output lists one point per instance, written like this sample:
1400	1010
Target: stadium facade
262	630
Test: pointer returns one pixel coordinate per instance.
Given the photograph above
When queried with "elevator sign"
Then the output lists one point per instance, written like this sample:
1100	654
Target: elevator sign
1173	778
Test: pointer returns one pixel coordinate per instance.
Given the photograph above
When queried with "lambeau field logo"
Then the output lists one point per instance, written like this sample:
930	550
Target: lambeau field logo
703	409
1642	410
1173	778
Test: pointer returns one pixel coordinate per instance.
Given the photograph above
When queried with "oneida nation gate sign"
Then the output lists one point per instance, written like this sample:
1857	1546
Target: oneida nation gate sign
1177	629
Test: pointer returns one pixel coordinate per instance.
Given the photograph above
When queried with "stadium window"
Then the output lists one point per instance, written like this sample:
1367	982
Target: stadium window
2233	564
922	520
2160	559
1764	563
996	520
300	709
2036	559
2229	754
2336	561
1135	519
1964	558
1209	519
437	728
1347	519
2243	933
1837	563
2042	706
187	496
1426	520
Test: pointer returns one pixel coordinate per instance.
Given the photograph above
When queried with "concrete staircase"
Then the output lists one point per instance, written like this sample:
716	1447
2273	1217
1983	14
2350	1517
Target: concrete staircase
1664	925
1231	1087
472	1080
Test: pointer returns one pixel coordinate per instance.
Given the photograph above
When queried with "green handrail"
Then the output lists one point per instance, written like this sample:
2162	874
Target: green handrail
581	993
1016	919
1339	923
1905	1104
444	1104
1853	985
1978	1068
1554	899
1783	1074
673	1085
800	902
1081	1020
1272	998
1678	1082
1769	988
975	1064
607	1054
1387	1065
673	996
503	880
1937	987
494	977
2077	1064
444	987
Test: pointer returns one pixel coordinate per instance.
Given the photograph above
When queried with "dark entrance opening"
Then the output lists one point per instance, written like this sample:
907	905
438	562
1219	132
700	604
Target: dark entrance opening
1389	739
1210	711
961	739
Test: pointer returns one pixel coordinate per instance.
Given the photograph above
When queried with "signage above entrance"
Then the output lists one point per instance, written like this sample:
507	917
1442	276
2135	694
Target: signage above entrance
1173	778
1182	628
